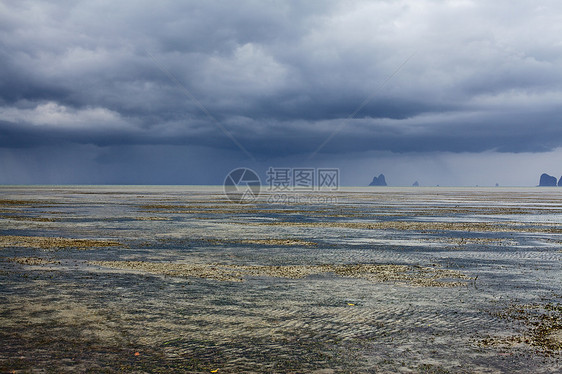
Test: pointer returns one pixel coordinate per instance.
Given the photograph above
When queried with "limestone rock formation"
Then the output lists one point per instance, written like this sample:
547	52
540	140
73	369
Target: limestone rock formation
547	181
378	181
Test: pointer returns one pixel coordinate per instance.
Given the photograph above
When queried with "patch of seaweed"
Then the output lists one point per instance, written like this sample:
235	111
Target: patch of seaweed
543	323
412	275
45	242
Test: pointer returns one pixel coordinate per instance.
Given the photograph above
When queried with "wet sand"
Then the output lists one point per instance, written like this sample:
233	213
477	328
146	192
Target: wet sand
178	279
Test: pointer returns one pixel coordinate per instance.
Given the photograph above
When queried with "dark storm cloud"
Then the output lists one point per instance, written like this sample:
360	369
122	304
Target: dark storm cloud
282	76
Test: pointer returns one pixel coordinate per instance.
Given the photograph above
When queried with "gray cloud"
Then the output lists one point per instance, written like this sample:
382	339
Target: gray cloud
283	76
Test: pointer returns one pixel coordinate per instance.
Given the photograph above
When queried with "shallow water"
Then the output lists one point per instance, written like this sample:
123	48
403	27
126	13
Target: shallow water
474	282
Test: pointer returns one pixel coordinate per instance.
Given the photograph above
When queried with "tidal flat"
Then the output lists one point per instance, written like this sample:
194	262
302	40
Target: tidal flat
158	279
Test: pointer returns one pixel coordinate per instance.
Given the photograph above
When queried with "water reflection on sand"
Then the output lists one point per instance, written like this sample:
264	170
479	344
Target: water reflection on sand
160	279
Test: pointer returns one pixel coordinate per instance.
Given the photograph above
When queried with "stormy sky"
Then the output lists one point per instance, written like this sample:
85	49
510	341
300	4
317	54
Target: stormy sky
452	92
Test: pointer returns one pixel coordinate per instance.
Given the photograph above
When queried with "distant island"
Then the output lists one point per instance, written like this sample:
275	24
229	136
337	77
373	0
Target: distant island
378	181
549	181
545	180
